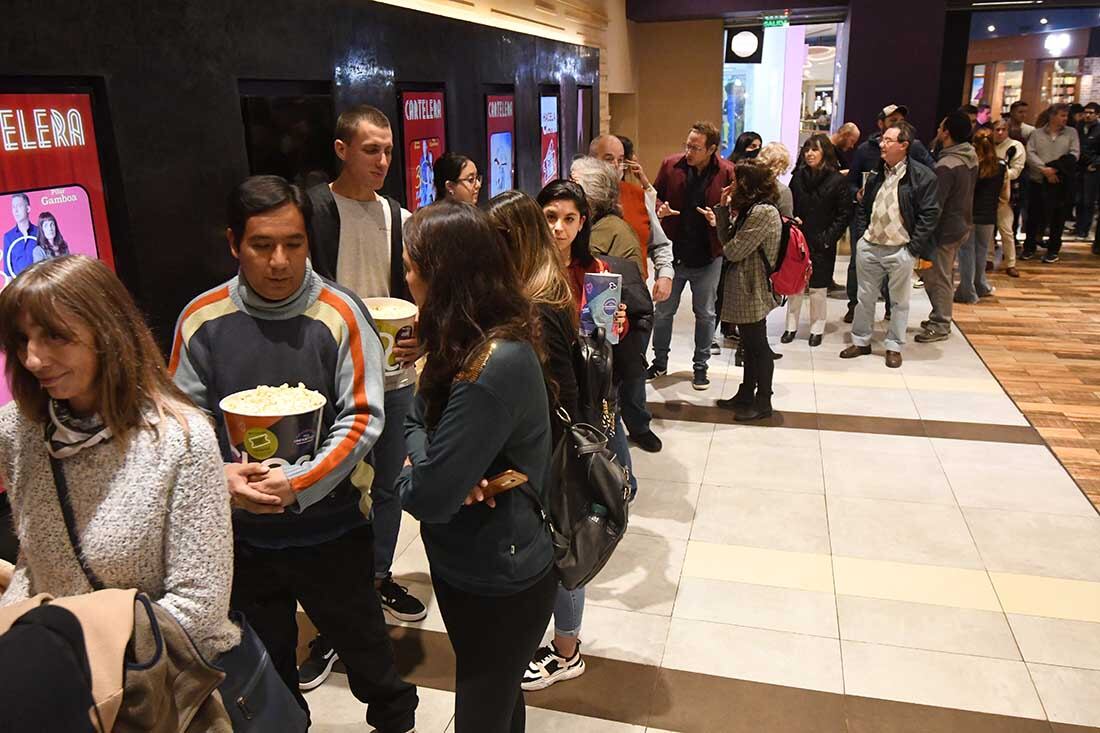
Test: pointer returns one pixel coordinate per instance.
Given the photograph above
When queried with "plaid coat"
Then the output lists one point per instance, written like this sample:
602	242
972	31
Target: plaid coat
748	297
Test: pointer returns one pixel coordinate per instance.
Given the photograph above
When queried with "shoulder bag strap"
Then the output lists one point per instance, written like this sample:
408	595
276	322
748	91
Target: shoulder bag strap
398	287
70	522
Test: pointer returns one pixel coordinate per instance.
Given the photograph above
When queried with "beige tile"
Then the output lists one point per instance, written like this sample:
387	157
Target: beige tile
985	453
552	721
770	458
334	709
776	520
954	587
799	570
1057	641
1049	545
684	457
1031	595
759	655
664	508
411	566
901	532
862	465
629	636
977	482
410	531
957	406
1069	695
841	399
958	681
759	606
641	576
925	626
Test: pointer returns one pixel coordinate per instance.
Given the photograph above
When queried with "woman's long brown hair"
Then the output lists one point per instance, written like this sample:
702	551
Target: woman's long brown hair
474	295
520	220
988	160
131	377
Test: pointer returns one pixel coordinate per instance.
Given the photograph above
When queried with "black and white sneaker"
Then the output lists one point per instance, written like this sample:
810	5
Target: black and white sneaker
715	349
1050	258
316	669
548	668
398	603
699	380
654	372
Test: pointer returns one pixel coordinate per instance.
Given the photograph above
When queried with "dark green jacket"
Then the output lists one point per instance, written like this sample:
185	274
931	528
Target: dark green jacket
496	418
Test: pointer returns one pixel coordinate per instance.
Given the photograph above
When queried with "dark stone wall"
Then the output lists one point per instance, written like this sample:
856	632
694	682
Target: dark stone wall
169	70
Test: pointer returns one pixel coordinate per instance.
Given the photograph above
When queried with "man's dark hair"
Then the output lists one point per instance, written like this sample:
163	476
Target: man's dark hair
260	194
1092	106
25	197
348	122
958	126
628	146
1016	105
708	130
968	109
907	133
1076	108
982	106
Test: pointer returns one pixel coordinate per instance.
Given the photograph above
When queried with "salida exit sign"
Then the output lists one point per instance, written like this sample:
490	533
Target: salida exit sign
777	21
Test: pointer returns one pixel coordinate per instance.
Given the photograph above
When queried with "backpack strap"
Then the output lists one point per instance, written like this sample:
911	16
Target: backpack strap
70	523
398	287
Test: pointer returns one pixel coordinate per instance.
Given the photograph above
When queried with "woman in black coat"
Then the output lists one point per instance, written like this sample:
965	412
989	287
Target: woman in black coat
822	208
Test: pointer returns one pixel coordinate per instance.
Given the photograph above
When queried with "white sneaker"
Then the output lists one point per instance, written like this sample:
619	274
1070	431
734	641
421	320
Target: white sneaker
548	668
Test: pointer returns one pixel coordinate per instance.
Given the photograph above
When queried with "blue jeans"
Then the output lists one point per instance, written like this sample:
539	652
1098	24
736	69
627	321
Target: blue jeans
387	458
873	263
704	291
852	285
972	254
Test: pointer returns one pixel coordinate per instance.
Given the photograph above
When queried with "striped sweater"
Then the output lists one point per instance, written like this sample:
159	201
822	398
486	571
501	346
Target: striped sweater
229	339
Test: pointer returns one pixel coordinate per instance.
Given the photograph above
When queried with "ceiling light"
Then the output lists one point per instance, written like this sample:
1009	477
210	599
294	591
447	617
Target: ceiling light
744	44
991	28
1043	21
1056	43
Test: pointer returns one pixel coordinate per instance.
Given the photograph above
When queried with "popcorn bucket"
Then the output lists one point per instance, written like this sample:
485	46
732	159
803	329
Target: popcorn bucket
272	440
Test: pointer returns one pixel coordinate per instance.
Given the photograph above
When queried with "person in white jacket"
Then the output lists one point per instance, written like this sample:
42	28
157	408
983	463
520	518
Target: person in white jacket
1013	153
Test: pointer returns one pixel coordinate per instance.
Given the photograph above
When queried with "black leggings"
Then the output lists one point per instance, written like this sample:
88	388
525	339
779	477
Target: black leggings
494	638
759	364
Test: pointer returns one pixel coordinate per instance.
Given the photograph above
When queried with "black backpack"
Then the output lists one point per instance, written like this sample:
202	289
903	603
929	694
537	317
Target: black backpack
588	488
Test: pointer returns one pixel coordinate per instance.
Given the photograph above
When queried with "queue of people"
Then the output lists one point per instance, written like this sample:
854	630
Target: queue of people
161	502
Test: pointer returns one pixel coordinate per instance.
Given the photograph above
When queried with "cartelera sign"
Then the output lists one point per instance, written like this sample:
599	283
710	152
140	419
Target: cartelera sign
40	129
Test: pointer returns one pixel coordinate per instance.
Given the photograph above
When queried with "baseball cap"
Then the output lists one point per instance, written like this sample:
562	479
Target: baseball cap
891	109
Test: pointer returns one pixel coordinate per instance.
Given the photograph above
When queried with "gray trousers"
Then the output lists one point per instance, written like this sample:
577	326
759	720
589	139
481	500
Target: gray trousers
939	283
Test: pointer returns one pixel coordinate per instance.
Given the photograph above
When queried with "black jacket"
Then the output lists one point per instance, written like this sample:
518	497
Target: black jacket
919	202
324	239
1090	145
630	351
559	334
987	195
824	204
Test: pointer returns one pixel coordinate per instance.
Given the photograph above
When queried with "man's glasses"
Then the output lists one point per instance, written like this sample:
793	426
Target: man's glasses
694	149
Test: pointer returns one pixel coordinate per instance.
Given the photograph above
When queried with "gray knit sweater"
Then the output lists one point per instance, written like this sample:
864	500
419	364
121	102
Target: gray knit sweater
153	517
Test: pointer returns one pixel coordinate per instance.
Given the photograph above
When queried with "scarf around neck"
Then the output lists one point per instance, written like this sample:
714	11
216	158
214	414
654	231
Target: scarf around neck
67	434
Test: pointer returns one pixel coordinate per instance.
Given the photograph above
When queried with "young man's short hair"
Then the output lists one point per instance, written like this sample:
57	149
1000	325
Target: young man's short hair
1016	105
347	124
259	194
709	131
958	126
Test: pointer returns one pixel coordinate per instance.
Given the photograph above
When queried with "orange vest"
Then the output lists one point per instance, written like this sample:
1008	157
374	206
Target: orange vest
632	198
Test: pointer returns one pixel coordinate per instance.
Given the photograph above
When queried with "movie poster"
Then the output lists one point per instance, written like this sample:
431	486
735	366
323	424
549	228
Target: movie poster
500	122
548	107
51	190
424	136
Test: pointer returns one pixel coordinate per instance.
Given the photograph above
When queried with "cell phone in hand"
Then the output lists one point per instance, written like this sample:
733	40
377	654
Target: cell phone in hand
502	482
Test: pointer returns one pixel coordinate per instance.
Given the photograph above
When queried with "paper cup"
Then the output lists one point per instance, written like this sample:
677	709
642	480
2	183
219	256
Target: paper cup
273	440
396	320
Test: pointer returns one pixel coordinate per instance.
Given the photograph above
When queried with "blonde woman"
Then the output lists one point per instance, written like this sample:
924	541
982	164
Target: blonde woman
777	158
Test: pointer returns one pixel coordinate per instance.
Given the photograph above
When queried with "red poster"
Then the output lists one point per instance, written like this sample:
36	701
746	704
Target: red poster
551	143
500	121
424	135
49	169
51	190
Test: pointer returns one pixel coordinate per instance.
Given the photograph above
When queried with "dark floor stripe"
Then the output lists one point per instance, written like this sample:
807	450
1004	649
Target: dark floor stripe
1021	434
689	702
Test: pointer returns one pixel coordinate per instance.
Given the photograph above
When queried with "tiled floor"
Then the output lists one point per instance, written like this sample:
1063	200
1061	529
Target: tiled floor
795	578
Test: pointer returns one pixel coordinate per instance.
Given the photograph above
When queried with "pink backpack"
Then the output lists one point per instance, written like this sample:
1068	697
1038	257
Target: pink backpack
791	274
